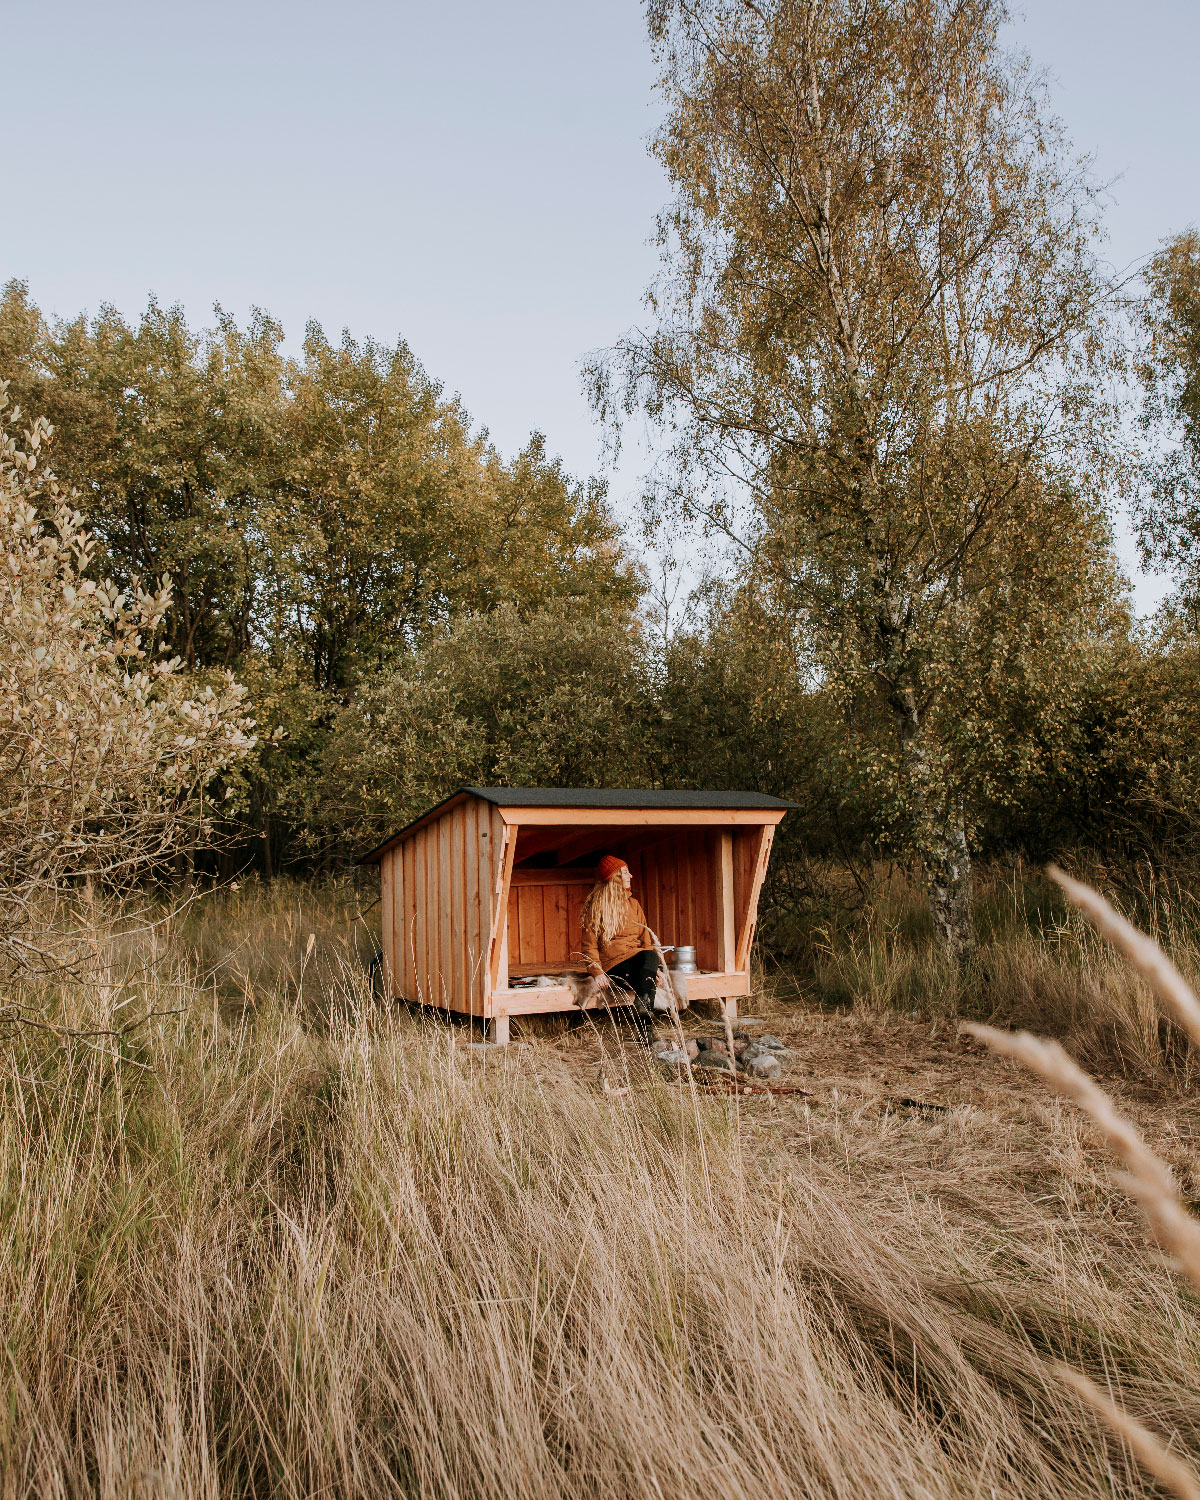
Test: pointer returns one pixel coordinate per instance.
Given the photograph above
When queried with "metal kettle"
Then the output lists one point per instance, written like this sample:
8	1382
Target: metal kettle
685	959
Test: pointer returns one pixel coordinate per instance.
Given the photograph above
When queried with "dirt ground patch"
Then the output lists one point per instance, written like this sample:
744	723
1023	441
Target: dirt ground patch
900	1107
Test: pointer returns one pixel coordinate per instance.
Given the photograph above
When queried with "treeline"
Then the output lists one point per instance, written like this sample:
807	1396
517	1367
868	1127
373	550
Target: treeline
333	530
410	610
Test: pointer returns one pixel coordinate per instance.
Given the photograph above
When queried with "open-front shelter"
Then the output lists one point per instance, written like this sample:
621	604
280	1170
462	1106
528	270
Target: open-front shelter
487	887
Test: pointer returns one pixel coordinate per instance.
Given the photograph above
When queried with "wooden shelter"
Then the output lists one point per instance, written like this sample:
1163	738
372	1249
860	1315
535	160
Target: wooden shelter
487	888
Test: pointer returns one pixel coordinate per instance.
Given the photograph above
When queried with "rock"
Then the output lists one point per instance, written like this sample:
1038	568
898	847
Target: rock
747	1026
672	1057
740	1043
707	1058
760	1049
485	1049
772	1043
672	1044
764	1066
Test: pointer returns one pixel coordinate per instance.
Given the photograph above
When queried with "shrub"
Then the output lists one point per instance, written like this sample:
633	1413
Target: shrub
106	753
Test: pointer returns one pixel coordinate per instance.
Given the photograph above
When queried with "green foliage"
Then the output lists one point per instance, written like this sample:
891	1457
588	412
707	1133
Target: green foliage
410	610
1125	780
558	696
389	518
107	747
168	437
1169	510
333	527
334	508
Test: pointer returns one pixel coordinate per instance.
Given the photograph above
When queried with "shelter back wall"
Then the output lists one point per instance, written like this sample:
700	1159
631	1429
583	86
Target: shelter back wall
675	879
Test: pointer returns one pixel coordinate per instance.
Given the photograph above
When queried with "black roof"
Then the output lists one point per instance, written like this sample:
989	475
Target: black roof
584	796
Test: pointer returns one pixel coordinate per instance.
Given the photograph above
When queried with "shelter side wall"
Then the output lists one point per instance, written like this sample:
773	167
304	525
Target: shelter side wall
439	890
394	894
433	975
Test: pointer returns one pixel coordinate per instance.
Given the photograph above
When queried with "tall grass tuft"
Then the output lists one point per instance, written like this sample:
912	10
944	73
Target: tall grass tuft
1038	964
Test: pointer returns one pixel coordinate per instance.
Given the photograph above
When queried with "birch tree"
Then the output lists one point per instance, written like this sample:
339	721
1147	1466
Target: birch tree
873	352
1169	503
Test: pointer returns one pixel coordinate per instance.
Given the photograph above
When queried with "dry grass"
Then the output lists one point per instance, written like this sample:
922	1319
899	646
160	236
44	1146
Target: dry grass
1147	1178
295	1244
1039	965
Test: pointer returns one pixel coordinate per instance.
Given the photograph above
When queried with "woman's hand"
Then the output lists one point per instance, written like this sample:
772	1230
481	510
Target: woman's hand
601	981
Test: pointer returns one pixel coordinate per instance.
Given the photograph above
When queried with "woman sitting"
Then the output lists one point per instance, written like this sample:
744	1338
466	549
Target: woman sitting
617	946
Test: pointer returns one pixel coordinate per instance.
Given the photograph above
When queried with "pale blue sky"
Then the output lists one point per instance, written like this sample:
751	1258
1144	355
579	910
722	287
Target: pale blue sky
471	176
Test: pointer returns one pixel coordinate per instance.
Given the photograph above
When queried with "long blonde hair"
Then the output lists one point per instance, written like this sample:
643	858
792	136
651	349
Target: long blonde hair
605	908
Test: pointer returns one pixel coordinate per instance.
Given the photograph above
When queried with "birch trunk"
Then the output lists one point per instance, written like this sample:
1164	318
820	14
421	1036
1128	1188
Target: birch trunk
940	840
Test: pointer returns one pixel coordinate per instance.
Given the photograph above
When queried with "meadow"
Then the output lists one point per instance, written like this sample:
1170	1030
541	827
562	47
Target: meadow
263	1234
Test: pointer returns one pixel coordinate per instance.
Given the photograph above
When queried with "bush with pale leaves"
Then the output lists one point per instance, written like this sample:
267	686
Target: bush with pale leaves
106	753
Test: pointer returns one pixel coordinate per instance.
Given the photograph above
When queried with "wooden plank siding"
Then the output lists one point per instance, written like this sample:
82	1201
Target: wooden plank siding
387	901
749	872
675	880
457	913
437	889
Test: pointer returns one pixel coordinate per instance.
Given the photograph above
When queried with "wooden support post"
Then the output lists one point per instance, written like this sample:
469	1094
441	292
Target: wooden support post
749	916
497	965
726	932
498	1030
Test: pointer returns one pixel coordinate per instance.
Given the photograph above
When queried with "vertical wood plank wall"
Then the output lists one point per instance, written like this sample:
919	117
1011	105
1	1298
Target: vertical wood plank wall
451	923
675	880
746	846
543	917
387	902
438	889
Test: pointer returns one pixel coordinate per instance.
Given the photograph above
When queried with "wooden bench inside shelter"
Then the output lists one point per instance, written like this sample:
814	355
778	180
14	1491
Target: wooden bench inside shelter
487	887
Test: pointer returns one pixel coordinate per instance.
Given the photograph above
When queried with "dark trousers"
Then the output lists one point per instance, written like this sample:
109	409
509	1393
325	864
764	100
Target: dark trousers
638	978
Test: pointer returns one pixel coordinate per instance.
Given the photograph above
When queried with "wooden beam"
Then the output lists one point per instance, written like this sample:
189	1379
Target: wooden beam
533	1000
726	934
544	999
498	941
532	841
713	986
640	817
555	876
749	917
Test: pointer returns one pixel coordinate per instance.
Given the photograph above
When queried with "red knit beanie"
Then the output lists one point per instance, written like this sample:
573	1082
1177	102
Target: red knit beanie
609	865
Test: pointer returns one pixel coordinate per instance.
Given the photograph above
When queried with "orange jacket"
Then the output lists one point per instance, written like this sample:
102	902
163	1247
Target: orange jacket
632	938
